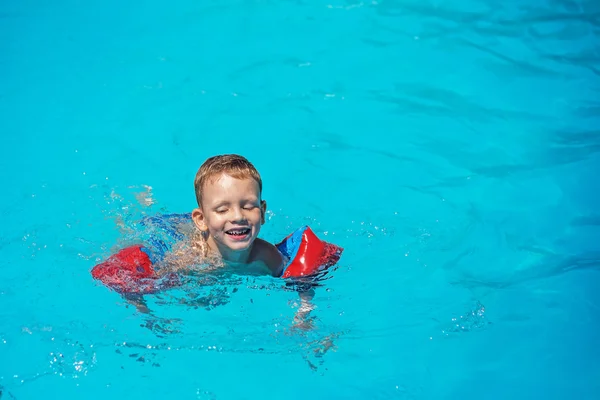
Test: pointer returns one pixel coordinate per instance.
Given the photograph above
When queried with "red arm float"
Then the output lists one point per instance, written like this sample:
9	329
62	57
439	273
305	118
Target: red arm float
130	271
307	255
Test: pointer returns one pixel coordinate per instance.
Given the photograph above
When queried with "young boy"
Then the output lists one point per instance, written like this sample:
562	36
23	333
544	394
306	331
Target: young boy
231	212
227	222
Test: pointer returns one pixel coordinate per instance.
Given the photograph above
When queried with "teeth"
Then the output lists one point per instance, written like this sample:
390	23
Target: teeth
238	232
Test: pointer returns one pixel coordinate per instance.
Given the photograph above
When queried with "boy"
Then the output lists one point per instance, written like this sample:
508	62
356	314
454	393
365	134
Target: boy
231	212
229	216
227	222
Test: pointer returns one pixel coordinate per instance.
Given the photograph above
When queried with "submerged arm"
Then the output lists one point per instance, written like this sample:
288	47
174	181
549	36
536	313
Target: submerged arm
302	319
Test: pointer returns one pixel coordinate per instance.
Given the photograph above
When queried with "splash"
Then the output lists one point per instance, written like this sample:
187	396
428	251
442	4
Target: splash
468	321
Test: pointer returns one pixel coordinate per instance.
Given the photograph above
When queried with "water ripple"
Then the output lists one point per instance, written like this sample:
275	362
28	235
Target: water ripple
445	145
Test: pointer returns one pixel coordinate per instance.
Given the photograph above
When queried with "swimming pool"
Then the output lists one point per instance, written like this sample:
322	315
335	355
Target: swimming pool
449	147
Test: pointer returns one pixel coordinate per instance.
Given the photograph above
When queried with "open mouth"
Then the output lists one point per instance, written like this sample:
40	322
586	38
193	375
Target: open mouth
238	232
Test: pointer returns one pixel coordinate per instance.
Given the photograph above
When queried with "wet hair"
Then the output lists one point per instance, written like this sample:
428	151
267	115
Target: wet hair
234	165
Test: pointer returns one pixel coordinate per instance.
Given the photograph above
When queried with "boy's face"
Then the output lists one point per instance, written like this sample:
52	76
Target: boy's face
232	212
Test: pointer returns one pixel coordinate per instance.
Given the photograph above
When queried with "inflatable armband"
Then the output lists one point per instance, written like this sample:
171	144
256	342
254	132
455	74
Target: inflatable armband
130	271
307	255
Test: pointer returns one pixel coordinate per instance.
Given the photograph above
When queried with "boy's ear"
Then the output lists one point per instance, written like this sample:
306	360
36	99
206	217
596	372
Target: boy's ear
199	221
263	211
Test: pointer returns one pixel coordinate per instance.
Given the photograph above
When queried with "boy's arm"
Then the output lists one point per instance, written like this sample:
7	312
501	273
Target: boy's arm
275	262
302	318
138	301
270	256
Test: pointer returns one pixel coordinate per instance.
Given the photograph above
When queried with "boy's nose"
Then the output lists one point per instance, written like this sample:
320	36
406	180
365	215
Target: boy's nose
237	215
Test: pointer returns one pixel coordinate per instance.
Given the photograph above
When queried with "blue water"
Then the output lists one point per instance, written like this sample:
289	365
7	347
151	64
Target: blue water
449	146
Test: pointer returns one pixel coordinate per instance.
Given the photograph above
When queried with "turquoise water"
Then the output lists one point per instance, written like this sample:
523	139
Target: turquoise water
450	147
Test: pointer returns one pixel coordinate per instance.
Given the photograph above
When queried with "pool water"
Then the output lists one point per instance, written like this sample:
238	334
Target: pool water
450	147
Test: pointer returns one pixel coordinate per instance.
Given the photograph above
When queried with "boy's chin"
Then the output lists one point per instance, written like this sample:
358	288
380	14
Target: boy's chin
239	245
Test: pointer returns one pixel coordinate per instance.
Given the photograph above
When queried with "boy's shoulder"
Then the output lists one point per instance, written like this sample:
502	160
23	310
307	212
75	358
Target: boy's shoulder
268	254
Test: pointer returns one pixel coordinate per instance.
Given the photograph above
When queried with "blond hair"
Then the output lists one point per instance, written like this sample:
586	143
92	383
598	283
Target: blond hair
233	165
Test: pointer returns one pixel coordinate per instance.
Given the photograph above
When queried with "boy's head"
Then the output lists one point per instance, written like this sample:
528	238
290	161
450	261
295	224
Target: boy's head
231	164
230	208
